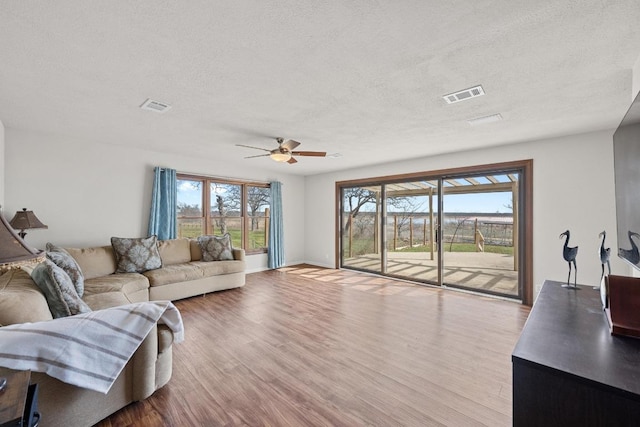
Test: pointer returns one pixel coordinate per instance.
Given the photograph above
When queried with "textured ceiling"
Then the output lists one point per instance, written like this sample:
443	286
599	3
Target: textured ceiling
359	78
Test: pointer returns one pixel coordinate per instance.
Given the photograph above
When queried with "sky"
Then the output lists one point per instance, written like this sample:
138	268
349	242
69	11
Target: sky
189	194
474	202
478	203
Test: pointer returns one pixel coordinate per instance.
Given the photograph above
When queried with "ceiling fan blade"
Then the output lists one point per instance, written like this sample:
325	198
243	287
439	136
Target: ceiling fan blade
292	161
290	144
259	155
309	153
249	146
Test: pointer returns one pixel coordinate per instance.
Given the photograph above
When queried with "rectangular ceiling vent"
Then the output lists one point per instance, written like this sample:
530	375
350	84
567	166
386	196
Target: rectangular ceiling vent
463	95
485	119
155	106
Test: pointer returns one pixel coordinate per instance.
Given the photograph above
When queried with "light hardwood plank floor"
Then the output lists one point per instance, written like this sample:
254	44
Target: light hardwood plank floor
308	346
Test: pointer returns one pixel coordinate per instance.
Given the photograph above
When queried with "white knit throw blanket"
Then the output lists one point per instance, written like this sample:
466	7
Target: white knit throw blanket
87	350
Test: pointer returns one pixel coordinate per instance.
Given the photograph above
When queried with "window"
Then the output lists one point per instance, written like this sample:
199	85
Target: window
215	206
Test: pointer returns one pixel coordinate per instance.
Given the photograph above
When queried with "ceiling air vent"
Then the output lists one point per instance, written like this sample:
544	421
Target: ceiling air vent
155	106
463	95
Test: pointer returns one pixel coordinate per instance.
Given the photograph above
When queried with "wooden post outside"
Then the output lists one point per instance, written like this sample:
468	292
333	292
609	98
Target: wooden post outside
411	231
267	219
475	234
431	230
350	235
478	238
516	225
395	232
424	233
376	227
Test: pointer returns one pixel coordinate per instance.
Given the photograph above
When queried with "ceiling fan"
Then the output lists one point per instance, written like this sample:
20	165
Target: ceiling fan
284	152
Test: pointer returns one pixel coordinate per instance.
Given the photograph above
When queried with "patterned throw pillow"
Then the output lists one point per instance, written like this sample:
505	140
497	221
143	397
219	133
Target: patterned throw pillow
58	289
136	255
216	248
65	261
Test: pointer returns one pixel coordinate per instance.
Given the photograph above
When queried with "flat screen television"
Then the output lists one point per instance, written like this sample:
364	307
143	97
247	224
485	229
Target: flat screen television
626	157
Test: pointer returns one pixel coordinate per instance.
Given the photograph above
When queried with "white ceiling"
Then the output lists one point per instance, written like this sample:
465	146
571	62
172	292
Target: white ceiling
361	78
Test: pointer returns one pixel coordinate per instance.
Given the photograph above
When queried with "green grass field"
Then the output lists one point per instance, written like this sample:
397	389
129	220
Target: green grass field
462	247
256	238
361	247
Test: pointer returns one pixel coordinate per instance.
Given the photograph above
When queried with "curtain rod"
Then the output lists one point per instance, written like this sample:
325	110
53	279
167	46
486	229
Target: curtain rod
227	178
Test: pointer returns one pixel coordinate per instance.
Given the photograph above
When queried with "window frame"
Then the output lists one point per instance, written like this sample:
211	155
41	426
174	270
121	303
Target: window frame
208	219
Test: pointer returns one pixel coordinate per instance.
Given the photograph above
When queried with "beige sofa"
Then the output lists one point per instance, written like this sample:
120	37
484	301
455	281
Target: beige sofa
182	275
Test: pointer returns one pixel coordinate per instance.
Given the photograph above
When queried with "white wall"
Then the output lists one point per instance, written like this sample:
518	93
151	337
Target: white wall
635	79
2	165
573	189
87	192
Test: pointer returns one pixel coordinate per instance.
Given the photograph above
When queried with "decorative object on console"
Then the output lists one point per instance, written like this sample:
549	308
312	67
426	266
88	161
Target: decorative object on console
632	255
25	220
605	254
569	254
14	251
623	311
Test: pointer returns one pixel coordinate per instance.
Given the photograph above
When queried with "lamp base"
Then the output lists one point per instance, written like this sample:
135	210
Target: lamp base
22	234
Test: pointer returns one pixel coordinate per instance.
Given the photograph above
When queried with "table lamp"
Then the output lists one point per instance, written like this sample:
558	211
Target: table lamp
25	220
14	252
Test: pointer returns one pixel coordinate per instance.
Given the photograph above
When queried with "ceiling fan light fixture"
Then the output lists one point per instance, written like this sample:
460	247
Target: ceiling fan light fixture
280	156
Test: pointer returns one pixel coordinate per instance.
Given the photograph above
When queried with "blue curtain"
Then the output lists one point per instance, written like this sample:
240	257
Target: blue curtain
162	219
276	237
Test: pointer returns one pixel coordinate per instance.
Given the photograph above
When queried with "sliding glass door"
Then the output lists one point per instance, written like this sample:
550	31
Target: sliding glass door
458	228
411	227
361	219
479	233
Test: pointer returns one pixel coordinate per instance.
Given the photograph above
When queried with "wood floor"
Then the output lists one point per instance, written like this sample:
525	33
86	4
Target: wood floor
306	346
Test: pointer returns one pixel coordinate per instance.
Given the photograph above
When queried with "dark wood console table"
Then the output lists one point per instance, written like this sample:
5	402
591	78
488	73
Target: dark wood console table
568	370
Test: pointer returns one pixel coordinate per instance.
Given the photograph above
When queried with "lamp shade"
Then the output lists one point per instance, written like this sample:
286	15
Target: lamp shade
14	251
25	220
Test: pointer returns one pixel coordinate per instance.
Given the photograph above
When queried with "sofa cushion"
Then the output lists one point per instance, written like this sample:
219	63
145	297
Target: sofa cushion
173	274
126	283
21	301
65	261
216	248
174	251
94	262
135	255
58	289
106	300
219	267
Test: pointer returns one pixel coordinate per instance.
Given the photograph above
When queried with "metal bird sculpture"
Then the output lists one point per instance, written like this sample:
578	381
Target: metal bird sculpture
569	254
632	255
605	254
